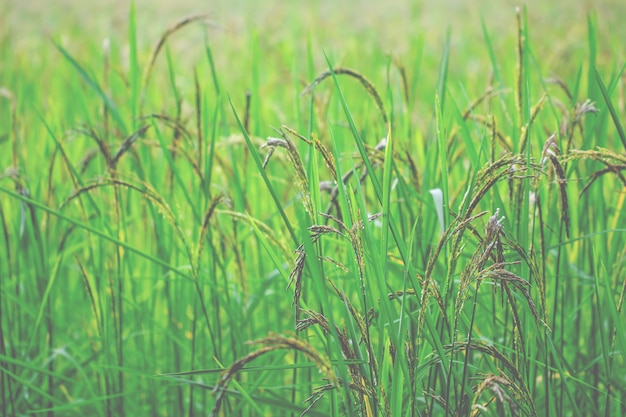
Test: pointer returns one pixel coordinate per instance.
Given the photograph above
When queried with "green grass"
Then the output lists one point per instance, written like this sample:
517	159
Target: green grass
279	225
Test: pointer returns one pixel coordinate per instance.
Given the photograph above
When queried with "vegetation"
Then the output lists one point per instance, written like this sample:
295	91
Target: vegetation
284	229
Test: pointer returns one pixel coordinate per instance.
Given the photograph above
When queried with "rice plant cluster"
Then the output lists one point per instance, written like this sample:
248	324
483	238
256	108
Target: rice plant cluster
293	231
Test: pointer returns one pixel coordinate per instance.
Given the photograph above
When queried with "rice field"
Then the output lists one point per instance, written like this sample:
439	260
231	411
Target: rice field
280	209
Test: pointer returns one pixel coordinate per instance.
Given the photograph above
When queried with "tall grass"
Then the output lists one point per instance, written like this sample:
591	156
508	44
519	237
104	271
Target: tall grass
199	239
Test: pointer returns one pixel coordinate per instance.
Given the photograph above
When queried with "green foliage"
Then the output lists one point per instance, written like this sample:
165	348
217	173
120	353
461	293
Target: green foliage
237	236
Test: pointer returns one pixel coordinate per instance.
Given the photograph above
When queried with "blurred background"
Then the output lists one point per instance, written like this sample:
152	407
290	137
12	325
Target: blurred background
385	23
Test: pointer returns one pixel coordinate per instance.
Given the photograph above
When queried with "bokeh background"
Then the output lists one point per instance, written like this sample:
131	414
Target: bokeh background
350	32
384	23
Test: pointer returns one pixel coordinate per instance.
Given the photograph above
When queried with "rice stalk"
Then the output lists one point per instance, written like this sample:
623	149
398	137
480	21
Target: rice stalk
267	230
499	386
346	346
562	85
505	363
496	133
145	190
369	87
272	343
491	246
208	215
358	385
179	133
614	164
506	278
356	240
506	167
302	182
175	124
534	112
470	114
405	82
328	157
573	121
126	145
295	279
550	151
103	147
161	42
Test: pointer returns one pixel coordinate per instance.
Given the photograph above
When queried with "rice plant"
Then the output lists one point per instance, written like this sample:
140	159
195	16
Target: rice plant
385	236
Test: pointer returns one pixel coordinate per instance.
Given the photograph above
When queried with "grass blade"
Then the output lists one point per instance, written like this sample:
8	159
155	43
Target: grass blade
95	87
95	231
609	103
259	165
